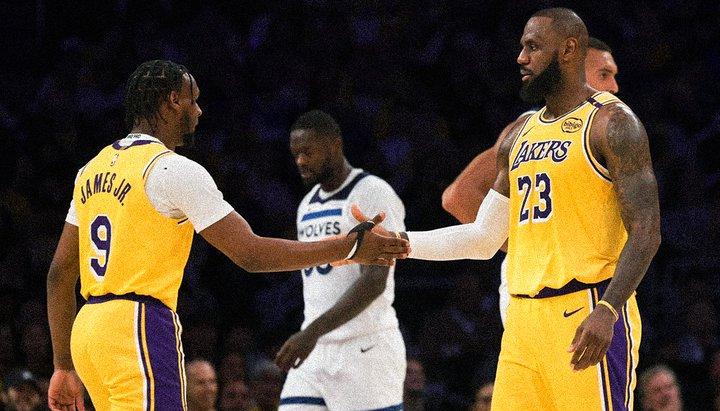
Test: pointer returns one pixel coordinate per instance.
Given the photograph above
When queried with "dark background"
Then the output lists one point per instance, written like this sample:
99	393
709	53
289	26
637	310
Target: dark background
418	87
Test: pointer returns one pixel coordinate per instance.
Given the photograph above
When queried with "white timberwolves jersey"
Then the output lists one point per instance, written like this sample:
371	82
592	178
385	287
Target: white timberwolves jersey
327	214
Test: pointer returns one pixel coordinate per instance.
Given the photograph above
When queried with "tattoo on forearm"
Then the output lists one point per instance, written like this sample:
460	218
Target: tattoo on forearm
629	164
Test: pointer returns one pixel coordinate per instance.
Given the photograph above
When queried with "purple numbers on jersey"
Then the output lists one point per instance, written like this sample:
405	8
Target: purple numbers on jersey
543	209
100	235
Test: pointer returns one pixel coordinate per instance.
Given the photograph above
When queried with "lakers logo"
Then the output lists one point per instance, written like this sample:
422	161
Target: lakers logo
572	125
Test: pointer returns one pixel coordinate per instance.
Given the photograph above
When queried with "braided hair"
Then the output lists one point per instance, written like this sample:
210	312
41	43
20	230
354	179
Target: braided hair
148	86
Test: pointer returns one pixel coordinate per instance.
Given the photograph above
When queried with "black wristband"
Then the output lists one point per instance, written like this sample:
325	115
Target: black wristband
360	230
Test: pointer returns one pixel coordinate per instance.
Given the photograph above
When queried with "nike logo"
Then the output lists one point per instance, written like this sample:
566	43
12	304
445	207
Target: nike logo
568	314
364	350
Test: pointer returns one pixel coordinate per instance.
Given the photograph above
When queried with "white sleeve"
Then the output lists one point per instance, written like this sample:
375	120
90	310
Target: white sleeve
374	195
478	240
71	216
180	186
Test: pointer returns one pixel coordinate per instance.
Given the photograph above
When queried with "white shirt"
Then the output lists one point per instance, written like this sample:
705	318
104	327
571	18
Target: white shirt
327	214
178	188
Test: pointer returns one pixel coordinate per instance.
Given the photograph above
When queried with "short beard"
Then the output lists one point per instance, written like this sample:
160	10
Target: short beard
546	83
187	139
323	176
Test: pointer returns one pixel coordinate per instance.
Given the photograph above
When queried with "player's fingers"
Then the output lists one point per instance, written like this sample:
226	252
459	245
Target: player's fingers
379	217
579	349
80	403
395	245
53	404
576	339
282	357
357	214
340	263
586	359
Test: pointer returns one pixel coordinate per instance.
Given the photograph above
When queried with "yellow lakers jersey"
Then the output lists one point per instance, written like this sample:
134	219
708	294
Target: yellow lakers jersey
126	246
564	215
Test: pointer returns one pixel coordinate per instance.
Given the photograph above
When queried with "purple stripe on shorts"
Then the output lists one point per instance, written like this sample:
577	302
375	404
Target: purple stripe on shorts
617	361
162	347
595	298
142	353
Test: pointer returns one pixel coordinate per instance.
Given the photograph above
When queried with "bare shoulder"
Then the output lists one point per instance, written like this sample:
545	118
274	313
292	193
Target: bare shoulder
618	132
509	134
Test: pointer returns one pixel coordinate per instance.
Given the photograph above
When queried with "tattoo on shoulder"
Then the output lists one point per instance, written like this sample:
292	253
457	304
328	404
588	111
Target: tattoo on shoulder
626	139
629	163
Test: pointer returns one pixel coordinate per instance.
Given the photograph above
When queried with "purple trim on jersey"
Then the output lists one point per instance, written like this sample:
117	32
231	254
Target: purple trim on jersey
116	145
586	145
163	351
594	102
97	299
571	287
340	195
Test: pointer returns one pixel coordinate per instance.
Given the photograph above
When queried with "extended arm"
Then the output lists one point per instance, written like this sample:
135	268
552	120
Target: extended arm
483	237
65	388
463	197
233	236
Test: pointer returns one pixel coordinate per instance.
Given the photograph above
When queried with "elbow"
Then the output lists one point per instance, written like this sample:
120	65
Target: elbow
252	267
448	199
248	263
486	254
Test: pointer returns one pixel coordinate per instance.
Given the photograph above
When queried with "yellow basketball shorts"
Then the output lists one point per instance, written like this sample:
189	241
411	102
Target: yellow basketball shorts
128	353
534	371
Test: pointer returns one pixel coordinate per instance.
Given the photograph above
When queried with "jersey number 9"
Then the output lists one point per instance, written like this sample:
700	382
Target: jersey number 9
100	235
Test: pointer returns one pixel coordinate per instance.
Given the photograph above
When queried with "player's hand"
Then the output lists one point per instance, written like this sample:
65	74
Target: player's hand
360	217
66	392
592	338
295	350
376	249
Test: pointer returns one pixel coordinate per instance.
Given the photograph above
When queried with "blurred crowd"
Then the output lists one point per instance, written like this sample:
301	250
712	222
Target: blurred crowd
419	88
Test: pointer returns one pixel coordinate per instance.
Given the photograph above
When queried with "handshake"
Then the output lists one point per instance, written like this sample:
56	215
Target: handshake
374	245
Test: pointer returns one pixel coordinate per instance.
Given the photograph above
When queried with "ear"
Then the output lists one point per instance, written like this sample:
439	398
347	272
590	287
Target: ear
570	49
337	144
173	100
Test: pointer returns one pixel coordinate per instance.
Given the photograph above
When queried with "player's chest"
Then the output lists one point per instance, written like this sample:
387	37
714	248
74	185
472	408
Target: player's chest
319	221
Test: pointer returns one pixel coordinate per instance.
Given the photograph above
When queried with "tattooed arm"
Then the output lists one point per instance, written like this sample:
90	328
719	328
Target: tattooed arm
618	139
624	147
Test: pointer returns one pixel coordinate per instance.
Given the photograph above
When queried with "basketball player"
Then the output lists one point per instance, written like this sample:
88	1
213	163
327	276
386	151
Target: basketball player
127	236
349	354
577	195
462	198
